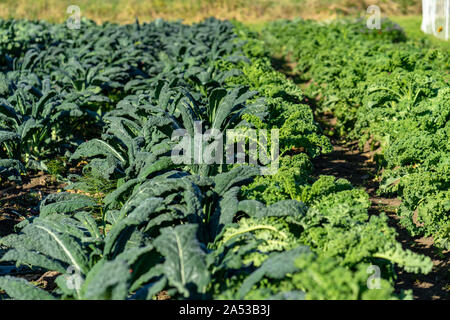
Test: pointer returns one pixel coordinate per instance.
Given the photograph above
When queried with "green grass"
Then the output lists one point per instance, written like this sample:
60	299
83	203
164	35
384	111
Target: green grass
411	25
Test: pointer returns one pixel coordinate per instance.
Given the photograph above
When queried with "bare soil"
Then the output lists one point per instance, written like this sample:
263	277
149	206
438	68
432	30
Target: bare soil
359	168
19	201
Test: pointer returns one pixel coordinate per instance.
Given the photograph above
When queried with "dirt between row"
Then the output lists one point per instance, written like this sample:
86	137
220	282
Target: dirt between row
17	202
358	166
347	161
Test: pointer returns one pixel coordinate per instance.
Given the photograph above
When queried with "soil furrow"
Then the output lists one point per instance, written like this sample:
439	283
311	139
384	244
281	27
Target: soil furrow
347	161
359	168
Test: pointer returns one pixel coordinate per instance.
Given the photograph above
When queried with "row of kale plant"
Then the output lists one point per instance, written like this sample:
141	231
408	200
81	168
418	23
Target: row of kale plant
134	223
392	95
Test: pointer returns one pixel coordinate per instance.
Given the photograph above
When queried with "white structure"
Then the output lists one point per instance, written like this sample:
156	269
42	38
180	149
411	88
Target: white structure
436	18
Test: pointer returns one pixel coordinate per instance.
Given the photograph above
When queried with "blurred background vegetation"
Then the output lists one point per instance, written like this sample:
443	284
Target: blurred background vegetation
123	11
407	13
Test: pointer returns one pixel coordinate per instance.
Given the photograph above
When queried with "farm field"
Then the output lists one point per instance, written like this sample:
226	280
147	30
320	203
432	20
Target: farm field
126	11
94	204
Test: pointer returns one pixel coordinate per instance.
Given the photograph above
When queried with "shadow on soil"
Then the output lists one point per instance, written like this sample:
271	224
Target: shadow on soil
349	162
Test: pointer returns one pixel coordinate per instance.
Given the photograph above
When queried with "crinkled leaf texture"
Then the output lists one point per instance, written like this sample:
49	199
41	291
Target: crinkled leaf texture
276	266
